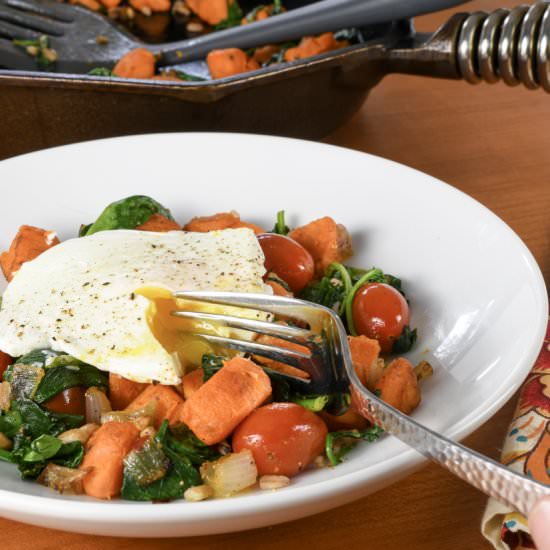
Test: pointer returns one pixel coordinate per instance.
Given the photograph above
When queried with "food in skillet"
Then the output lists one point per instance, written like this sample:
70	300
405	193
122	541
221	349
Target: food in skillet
153	20
105	393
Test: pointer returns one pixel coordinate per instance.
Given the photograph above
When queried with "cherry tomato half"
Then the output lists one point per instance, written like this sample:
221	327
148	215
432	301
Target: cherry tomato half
288	259
380	312
69	401
5	361
283	437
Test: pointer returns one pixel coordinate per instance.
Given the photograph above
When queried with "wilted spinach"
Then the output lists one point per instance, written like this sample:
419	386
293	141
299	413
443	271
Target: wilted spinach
338	444
34	432
127	213
234	16
62	377
175	457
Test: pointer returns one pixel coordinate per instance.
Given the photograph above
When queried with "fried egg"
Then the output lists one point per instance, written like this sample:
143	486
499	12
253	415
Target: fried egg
106	299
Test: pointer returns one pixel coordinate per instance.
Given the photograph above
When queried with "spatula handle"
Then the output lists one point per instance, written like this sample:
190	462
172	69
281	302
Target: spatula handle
316	18
506	45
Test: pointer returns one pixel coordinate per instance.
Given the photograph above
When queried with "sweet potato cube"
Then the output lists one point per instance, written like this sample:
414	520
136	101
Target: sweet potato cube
104	453
226	399
28	244
166	400
325	240
123	391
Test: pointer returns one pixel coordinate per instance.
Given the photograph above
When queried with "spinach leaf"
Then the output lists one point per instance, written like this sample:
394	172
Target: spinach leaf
281	386
338	444
183	441
32	456
277	7
179	476
406	340
100	71
33	431
127	213
326	292
36	421
314	403
84	228
70	455
38	358
21	448
335	404
279	56
182	75
42	448
211	364
331	290
6	456
10	422
234	16
76	373
65	422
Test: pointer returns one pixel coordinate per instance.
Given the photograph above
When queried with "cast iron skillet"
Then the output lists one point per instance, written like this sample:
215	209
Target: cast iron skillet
307	99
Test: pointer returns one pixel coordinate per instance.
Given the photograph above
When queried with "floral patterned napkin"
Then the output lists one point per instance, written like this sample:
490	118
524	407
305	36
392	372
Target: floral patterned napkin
526	450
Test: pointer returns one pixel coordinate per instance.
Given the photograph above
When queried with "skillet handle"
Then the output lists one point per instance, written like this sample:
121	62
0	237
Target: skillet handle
508	45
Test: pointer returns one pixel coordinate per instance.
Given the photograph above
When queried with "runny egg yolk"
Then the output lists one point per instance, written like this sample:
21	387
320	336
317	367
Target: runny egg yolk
175	334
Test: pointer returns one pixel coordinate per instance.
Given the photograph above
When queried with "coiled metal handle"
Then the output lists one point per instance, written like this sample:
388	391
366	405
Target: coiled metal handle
512	45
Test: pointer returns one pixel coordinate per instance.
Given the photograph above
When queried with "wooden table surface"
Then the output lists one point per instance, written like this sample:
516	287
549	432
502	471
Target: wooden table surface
491	142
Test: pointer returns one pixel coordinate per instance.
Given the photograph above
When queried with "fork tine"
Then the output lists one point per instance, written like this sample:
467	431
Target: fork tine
290	357
55	10
292	334
13	32
27	20
277	304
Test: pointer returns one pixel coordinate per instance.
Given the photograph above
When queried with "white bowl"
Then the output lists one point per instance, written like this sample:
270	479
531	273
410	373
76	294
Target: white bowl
477	295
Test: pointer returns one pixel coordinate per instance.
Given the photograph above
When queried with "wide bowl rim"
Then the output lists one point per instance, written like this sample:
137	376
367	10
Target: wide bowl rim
113	512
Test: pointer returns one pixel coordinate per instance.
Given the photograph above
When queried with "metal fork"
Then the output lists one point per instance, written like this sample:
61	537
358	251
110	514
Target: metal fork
329	366
73	30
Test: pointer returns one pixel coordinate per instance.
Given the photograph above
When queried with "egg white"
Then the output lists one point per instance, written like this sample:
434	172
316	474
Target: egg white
82	297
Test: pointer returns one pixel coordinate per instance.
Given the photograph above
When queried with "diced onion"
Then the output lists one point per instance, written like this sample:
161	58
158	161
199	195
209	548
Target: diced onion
81	434
25	380
5	396
97	403
63	480
137	416
200	492
230	474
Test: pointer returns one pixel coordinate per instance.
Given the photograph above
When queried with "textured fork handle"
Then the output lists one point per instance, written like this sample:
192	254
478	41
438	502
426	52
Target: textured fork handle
490	477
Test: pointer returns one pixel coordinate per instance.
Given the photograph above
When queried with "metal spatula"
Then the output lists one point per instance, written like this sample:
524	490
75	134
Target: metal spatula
72	30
